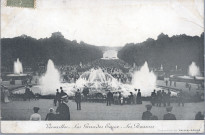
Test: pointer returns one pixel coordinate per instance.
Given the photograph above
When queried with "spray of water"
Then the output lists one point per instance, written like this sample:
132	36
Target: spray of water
18	68
194	69
51	80
144	80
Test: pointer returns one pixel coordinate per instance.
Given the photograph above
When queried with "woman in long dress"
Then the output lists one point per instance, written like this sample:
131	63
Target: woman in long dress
6	96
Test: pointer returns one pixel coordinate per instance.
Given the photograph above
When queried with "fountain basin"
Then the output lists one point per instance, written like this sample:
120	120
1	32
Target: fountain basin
188	79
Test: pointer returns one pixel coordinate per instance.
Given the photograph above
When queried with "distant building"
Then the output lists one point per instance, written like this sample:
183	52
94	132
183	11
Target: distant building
110	54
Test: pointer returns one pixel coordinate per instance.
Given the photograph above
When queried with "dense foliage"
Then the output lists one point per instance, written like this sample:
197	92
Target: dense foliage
33	53
178	50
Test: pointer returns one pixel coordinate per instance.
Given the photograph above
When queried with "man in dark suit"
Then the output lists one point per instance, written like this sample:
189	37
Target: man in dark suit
109	98
153	97
147	114
168	97
169	115
164	97
78	99
139	98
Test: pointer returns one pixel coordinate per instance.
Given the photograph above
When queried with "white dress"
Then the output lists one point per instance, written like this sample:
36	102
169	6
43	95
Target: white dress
35	117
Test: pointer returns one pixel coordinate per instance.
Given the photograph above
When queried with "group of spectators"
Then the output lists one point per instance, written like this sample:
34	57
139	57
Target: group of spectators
118	99
62	112
164	98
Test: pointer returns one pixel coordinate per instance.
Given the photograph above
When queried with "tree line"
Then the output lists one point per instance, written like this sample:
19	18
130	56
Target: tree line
36	52
178	50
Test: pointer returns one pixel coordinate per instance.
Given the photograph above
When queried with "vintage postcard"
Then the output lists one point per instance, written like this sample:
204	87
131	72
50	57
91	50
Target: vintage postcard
102	66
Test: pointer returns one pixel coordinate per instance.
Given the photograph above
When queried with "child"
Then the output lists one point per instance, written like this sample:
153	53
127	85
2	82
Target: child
50	115
35	116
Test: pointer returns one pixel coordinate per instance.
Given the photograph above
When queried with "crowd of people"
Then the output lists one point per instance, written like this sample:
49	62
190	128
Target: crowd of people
63	113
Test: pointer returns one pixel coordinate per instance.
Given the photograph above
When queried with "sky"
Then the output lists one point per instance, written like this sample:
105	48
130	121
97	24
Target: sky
104	22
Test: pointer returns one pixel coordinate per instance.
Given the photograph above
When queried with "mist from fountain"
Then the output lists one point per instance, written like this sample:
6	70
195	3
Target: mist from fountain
194	70
98	81
18	68
51	80
144	80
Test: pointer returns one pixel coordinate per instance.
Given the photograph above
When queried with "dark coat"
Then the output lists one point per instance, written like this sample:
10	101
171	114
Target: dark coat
146	115
109	96
58	97
77	97
169	116
139	99
64	112
50	116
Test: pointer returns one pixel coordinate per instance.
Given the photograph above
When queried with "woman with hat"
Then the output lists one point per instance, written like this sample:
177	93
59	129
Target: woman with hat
35	116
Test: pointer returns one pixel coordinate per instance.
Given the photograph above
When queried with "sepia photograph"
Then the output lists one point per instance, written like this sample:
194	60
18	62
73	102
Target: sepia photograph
102	60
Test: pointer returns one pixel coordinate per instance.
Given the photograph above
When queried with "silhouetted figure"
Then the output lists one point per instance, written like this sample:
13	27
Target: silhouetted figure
58	96
62	93
147	114
135	97
109	98
63	109
153	97
131	98
166	82
199	116
180	98
159	98
170	83
85	92
164	98
27	93
169	115
78	99
139	98
168	98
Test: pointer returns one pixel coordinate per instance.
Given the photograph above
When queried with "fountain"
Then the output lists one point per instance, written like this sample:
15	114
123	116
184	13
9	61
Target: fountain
51	80
18	69
193	76
17	76
144	80
194	70
161	68
98	81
